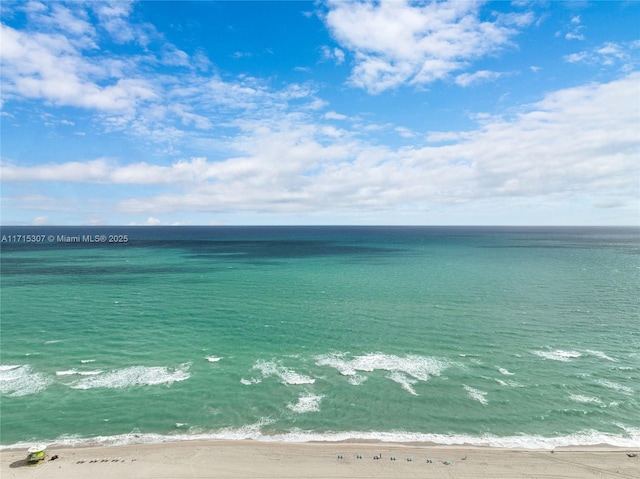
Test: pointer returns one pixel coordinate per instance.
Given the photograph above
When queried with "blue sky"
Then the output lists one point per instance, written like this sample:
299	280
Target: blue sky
327	112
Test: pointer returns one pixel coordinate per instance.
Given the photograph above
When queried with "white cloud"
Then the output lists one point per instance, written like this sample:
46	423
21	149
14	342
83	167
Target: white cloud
49	67
398	42
575	28
45	62
575	143
466	79
93	171
405	132
171	55
41	221
445	136
113	16
608	54
334	54
332	115
574	36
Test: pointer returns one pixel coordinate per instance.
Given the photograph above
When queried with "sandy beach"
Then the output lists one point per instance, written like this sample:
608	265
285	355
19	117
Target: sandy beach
250	459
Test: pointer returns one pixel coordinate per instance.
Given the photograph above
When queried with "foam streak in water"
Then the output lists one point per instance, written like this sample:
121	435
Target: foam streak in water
406	383
476	394
558	355
307	402
615	386
630	438
286	375
406	371
601	355
72	372
134	376
585	399
20	380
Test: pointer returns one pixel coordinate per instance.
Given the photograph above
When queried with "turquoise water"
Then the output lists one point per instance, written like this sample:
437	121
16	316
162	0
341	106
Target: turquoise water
494	336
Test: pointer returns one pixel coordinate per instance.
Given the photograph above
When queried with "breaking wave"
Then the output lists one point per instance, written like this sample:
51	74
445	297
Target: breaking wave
558	355
630	438
286	375
307	402
134	376
406	371
476	394
19	380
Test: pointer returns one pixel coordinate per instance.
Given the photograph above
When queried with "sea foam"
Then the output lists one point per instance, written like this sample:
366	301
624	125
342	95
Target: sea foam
72	372
476	394
407	383
307	402
615	386
509	383
134	376
406	371
19	380
629	439
585	399
601	355
558	355
286	375
249	382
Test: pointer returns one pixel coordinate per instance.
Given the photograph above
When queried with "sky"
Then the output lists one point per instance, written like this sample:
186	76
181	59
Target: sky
384	112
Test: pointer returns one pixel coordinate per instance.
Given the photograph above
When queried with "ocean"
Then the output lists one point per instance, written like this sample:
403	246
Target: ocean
510	337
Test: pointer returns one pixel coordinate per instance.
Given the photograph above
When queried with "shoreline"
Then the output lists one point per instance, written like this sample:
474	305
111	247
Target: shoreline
256	459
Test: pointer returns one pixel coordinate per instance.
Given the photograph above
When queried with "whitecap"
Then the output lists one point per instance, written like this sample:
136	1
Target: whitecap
357	379
406	382
615	386
307	402
85	361
9	367
286	375
338	362
20	380
630	438
420	368
212	359
509	383
72	372
585	399
601	355
476	394
134	376
558	355
249	382
505	372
